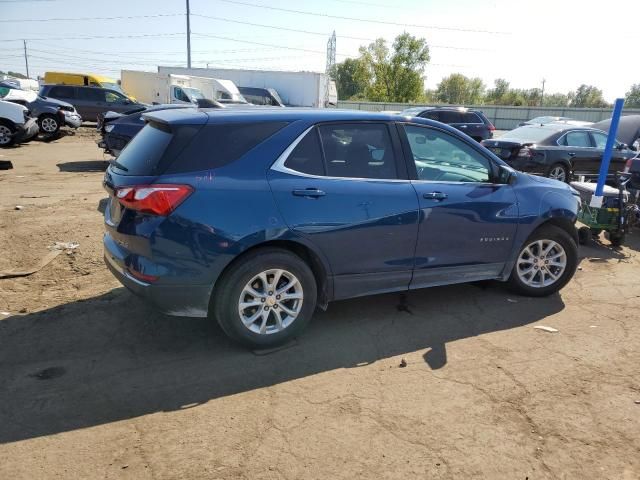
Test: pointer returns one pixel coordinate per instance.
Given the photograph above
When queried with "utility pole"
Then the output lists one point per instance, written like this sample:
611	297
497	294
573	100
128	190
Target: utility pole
26	59
331	65
544	80
188	36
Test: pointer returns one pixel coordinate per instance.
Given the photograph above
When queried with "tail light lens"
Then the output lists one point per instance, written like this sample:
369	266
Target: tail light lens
491	127
627	165
153	199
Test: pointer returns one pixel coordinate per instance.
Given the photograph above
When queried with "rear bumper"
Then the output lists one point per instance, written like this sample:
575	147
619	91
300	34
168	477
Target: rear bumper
176	300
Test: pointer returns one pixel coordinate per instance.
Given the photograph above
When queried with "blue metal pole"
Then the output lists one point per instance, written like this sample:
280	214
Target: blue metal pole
608	149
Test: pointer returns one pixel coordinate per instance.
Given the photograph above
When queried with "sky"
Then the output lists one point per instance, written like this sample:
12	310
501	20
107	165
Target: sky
565	42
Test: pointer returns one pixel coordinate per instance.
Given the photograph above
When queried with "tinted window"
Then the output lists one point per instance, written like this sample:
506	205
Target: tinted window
600	139
431	115
61	92
142	155
219	144
180	95
441	157
91	94
470	117
448	116
307	156
577	139
114	97
358	151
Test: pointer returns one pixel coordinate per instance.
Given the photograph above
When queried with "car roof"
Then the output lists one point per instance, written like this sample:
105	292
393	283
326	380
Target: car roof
200	116
560	127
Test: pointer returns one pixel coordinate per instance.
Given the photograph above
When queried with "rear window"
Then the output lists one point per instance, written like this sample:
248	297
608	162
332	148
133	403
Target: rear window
470	117
530	134
448	116
220	144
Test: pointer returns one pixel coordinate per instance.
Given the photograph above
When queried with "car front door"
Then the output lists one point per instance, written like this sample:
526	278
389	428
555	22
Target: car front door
116	102
343	188
468	220
619	156
91	101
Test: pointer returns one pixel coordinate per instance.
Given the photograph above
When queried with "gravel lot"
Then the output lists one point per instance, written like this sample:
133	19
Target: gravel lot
94	384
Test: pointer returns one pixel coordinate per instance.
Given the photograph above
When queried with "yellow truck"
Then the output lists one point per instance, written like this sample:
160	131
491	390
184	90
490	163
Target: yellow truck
87	79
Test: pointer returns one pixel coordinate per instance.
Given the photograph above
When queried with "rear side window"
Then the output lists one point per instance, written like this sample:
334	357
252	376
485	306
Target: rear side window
91	94
470	117
358	151
577	139
62	92
431	115
307	156
220	144
447	116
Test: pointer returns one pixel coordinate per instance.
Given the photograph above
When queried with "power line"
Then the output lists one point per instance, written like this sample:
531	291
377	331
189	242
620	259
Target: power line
76	19
364	20
148	35
219	37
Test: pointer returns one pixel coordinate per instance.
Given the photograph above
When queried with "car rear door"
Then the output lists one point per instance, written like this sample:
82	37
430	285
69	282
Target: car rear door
468	221
475	127
343	188
65	93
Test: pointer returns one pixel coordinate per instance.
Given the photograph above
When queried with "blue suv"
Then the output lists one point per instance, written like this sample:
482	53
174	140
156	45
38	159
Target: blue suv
257	217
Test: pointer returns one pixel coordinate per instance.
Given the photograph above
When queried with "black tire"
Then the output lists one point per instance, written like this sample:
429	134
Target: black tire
49	124
556	234
584	235
227	295
559	167
616	239
5	130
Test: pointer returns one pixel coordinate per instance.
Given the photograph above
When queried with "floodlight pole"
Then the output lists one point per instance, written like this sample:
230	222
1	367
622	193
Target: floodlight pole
188	36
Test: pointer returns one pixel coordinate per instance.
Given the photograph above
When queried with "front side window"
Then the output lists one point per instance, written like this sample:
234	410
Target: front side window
180	95
441	157
113	97
577	139
600	139
358	151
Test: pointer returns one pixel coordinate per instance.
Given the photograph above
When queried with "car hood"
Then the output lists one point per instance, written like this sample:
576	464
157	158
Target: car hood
57	103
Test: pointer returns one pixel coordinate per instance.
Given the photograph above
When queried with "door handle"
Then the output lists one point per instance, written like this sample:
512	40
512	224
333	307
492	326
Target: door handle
435	196
571	154
308	192
463	126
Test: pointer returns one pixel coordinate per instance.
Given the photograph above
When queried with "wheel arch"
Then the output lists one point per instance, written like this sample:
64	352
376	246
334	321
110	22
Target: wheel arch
318	266
562	223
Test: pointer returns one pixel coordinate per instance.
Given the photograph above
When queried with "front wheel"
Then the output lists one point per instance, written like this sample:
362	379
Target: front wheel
266	298
48	124
545	263
6	135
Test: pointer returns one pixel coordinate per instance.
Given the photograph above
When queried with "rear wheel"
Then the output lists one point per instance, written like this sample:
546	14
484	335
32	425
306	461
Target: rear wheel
6	135
545	264
48	124
266	298
558	172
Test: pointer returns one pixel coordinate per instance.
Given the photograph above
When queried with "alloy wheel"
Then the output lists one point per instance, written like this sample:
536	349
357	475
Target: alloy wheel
5	135
558	173
270	302
49	125
541	263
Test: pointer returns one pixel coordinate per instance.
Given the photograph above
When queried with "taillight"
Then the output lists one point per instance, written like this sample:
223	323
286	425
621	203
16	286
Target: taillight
491	127
142	276
154	199
525	152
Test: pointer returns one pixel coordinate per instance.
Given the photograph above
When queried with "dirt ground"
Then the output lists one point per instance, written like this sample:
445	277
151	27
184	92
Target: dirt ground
96	385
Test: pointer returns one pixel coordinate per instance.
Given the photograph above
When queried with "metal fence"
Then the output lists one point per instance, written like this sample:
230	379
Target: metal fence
504	118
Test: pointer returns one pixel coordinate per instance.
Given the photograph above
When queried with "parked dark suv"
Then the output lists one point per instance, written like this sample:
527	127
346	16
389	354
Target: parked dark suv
472	122
89	101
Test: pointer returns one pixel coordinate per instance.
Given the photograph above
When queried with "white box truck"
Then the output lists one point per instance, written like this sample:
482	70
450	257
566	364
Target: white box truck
297	89
151	87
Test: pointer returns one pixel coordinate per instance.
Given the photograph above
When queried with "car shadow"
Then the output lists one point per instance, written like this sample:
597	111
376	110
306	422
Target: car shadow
84	166
111	357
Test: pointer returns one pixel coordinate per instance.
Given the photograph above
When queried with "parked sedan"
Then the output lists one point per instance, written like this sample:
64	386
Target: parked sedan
117	129
557	151
90	101
472	122
256	216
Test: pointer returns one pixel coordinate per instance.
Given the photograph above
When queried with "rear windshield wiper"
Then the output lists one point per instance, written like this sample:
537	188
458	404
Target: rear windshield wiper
115	163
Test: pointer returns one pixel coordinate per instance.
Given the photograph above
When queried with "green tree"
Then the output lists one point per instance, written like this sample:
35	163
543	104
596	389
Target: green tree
352	78
588	96
632	98
556	100
459	89
497	94
397	73
13	74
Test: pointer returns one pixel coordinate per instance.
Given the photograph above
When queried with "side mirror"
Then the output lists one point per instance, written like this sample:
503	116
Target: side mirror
506	176
622	146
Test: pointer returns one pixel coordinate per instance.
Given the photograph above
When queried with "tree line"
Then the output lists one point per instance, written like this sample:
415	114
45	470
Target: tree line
383	73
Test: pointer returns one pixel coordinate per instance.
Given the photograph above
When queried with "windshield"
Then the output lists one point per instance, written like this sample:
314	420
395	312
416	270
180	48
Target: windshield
529	134
193	93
